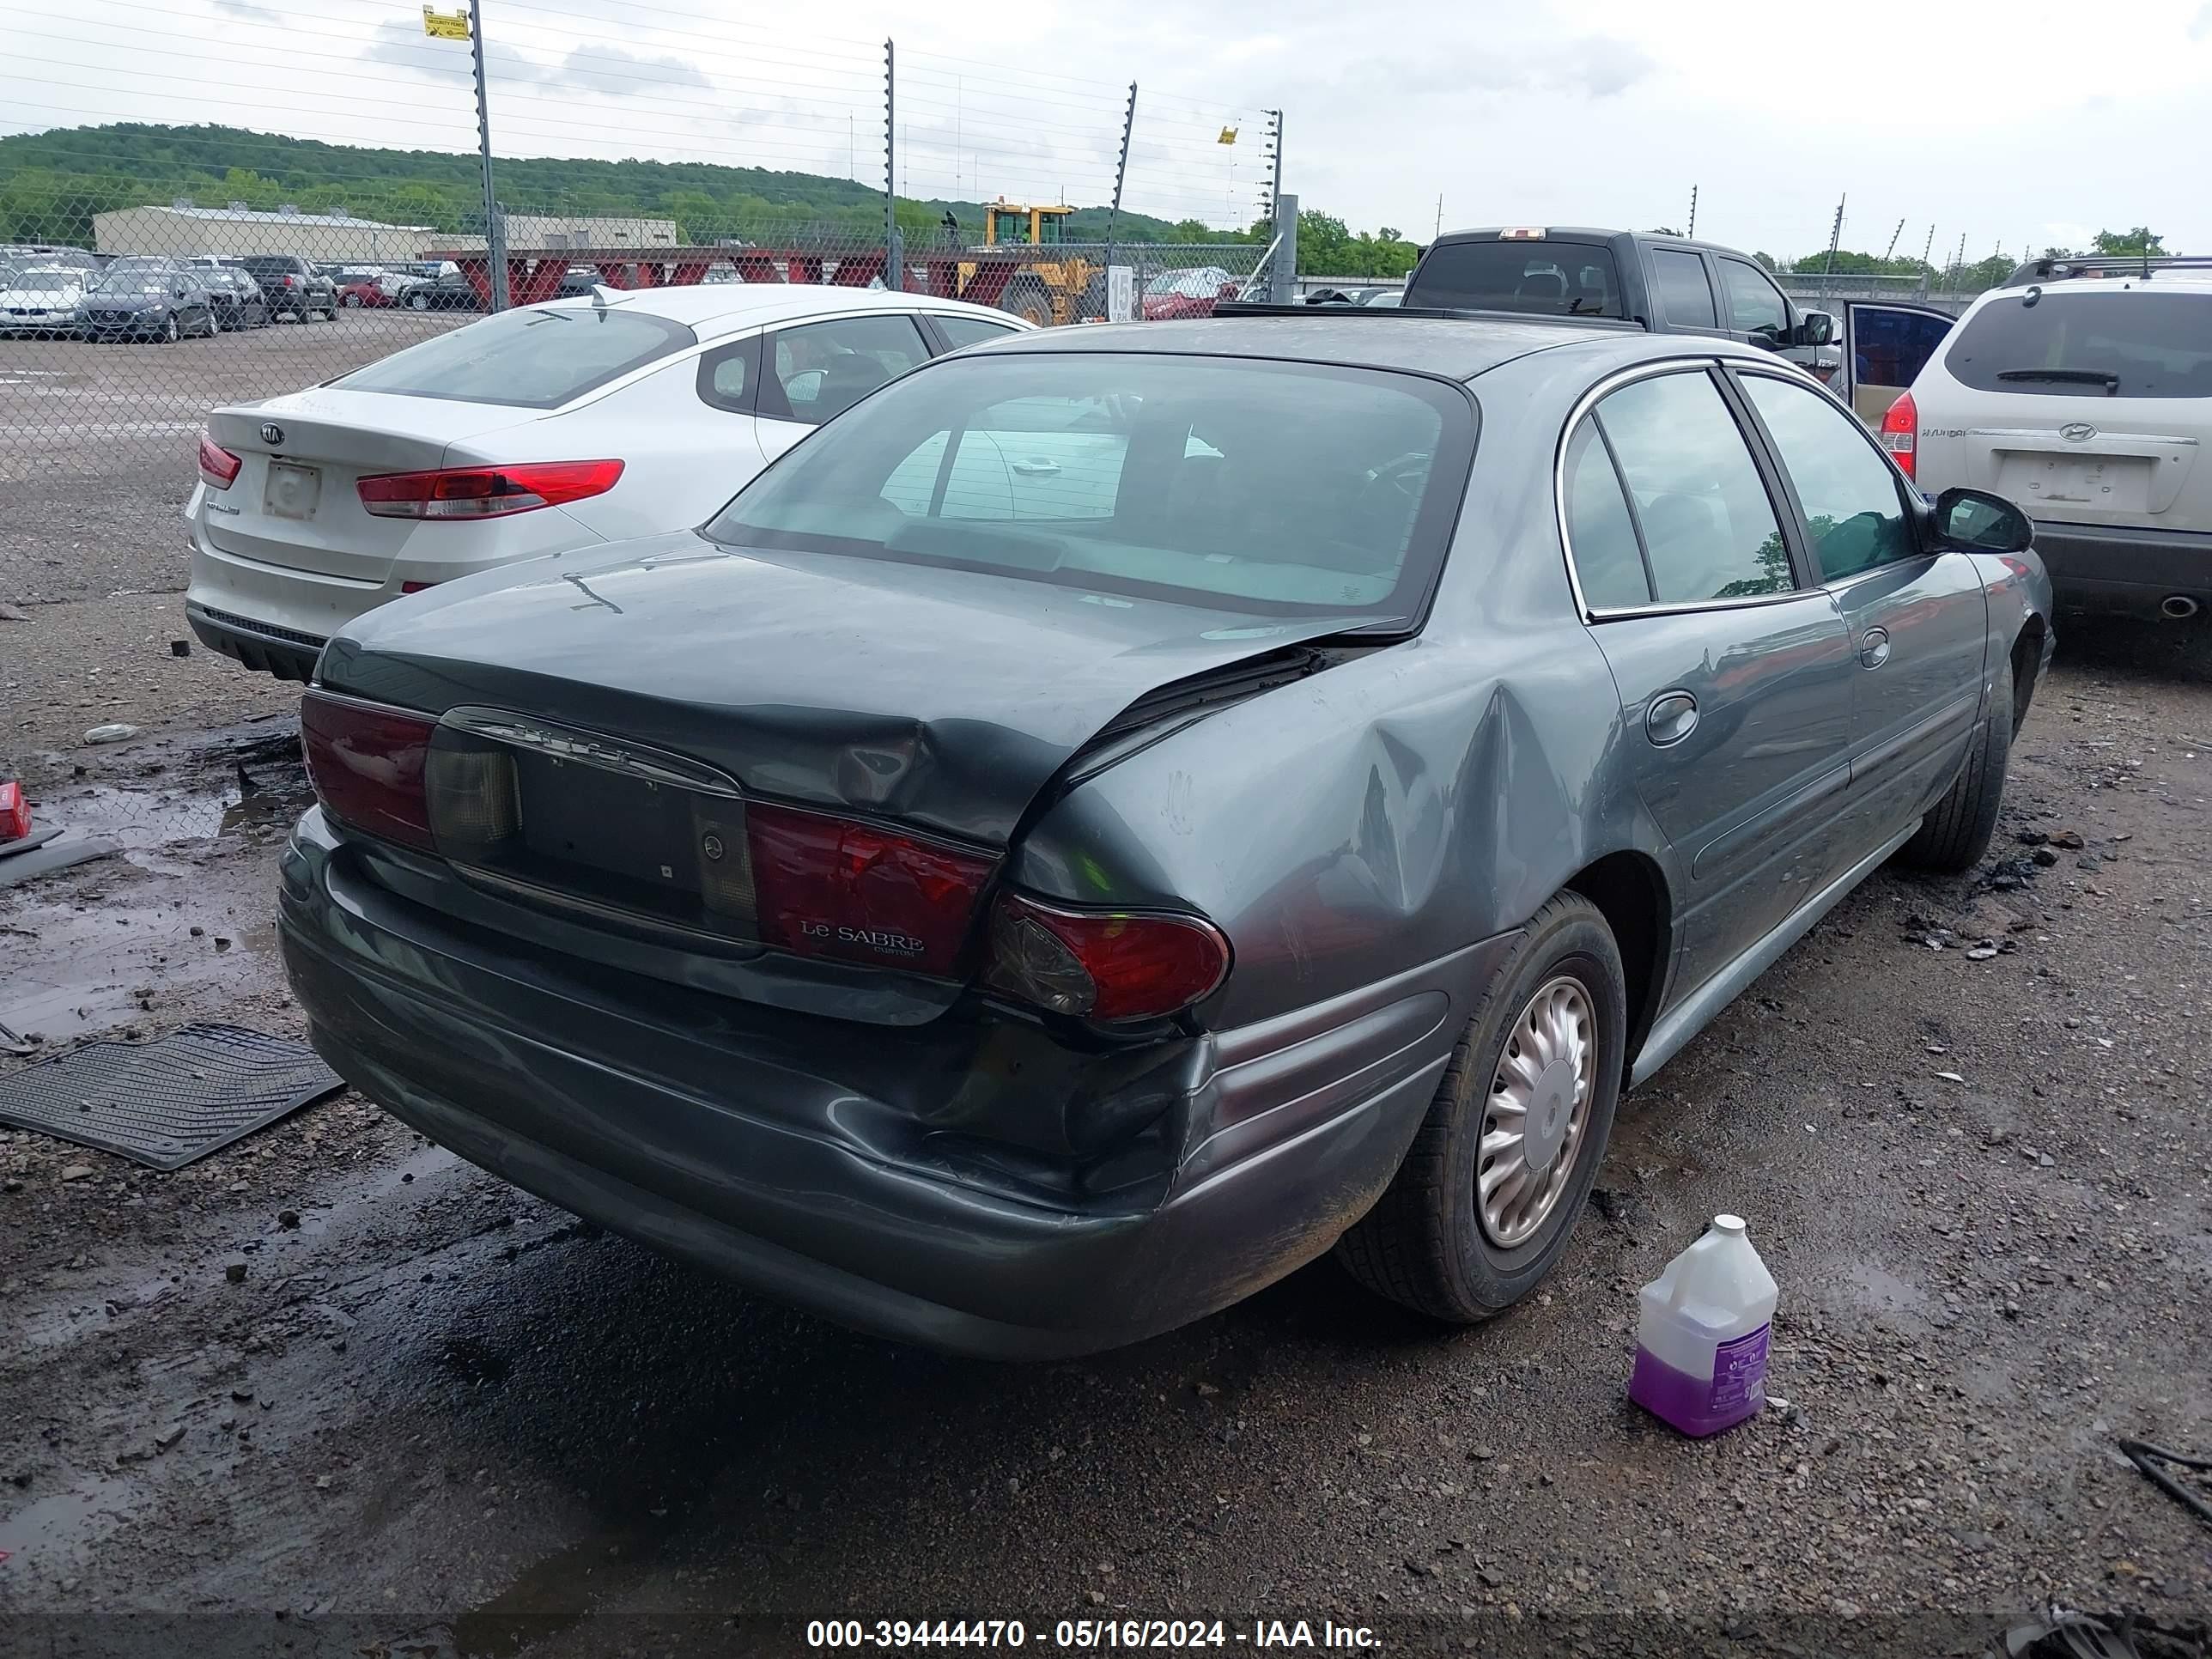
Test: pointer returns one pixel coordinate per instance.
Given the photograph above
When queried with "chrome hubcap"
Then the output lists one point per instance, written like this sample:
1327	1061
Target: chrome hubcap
1539	1107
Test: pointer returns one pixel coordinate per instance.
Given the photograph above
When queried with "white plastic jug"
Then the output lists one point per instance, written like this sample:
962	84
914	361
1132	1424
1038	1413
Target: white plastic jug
1702	1338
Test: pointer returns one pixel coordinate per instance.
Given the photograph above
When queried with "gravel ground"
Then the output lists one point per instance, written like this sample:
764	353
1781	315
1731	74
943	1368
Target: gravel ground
435	1417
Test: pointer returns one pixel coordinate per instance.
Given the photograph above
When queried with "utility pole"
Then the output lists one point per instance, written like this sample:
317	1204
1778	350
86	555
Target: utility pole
894	275
1120	173
1835	237
494	221
1692	231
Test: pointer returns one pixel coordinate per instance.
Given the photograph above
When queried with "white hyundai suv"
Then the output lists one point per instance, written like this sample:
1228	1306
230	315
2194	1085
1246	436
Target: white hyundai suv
2082	390
540	430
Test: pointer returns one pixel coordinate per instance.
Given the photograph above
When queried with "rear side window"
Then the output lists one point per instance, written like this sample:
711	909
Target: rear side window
1273	489
2128	343
1602	536
538	357
966	331
1684	289
1554	279
1710	531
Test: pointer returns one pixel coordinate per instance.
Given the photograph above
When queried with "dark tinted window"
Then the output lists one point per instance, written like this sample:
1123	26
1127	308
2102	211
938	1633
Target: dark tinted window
1709	529
1600	534
824	368
1852	505
262	264
1684	289
1275	488
538	357
1554	278
1890	348
1755	304
2126	343
727	375
967	331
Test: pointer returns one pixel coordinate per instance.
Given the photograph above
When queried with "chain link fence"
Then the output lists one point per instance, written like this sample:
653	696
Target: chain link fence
122	323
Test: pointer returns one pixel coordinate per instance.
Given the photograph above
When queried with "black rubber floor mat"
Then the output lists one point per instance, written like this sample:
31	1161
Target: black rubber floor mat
170	1101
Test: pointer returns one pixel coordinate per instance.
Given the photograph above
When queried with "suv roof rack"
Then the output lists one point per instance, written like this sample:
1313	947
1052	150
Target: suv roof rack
2105	264
1460	314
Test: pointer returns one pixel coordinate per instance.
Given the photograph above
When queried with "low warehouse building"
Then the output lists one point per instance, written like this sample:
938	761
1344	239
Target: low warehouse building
183	229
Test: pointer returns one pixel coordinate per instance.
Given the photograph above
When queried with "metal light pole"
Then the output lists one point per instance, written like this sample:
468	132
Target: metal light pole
494	228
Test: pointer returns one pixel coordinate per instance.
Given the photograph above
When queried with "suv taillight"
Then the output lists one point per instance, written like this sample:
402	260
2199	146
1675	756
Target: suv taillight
365	762
484	492
1104	965
1901	432
218	466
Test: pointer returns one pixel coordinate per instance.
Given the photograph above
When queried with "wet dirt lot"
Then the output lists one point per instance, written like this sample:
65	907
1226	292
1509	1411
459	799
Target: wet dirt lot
437	1417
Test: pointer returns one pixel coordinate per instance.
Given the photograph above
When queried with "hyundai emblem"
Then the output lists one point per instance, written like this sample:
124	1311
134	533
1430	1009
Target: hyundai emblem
2077	432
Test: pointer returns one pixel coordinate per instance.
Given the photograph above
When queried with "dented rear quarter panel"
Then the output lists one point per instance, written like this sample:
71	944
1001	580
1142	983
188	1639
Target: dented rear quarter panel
1404	804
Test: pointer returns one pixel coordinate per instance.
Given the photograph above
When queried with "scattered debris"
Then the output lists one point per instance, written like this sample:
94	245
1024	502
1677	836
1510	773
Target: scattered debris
114	732
13	613
77	1172
180	648
234	1271
49	851
2149	1459
1950	1076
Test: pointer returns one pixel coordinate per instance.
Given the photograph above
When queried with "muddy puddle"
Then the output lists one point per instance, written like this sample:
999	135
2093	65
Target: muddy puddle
182	909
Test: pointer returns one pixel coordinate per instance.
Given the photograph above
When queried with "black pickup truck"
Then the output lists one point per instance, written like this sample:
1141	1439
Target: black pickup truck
1668	284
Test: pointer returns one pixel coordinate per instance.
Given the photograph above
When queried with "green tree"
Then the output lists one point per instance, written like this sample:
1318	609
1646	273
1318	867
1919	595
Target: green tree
2142	240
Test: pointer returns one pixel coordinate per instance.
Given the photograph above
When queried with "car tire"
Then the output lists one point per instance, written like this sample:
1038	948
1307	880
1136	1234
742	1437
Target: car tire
170	333
1427	1243
1959	827
352	301
418	302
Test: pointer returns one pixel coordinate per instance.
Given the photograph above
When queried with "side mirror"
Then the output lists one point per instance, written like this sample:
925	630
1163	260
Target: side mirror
1814	328
1975	521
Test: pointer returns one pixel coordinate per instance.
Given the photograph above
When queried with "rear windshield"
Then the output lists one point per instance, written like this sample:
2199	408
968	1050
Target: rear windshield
1277	488
1554	279
265	263
538	357
2127	343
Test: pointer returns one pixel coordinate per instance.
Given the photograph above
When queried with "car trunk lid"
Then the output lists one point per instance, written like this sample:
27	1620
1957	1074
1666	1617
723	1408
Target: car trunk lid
675	735
294	503
2132	462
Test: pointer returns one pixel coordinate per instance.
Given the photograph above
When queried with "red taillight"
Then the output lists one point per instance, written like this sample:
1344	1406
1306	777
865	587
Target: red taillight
366	762
1102	966
14	811
1901	432
830	887
218	466
416	587
485	492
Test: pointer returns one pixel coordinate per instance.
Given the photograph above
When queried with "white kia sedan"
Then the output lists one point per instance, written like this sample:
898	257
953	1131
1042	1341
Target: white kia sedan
544	428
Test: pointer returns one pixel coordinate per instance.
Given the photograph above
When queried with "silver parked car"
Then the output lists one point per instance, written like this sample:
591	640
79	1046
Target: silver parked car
1121	812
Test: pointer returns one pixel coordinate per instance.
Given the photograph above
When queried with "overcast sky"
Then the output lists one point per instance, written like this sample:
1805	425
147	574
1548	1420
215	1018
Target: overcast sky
2011	122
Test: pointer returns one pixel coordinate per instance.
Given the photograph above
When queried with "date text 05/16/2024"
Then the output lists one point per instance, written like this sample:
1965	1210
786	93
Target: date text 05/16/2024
1090	1634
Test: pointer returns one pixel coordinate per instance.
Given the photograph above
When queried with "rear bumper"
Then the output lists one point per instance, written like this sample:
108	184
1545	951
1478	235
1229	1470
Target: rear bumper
2124	571
767	1154
261	646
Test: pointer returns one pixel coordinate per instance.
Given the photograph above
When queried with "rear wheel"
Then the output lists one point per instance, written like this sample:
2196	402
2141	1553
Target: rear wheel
1488	1194
418	302
352	301
169	333
1959	827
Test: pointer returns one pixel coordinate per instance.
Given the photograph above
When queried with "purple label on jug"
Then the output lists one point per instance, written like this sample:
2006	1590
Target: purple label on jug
1740	1374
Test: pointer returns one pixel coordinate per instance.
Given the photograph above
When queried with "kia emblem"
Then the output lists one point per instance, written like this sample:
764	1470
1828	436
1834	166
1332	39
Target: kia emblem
271	433
2077	432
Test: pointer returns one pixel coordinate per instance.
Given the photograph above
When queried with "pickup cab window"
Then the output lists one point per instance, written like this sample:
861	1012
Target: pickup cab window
1684	288
1755	305
1552	279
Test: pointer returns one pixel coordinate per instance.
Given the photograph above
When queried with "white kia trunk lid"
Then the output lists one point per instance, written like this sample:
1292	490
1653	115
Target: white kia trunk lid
294	504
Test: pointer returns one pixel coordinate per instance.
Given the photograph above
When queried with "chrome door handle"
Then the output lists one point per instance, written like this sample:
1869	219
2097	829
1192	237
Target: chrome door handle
1873	647
1036	468
1672	717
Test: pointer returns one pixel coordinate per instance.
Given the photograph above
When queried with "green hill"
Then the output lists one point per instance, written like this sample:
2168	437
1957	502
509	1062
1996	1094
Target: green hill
50	184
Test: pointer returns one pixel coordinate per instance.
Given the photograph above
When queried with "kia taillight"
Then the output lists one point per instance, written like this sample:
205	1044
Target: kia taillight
1901	432
831	887
218	466
366	762
485	492
1104	965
